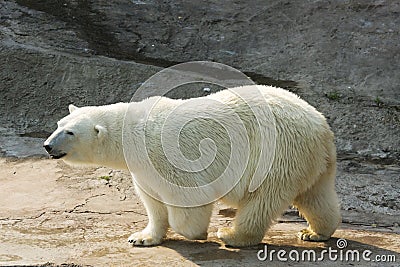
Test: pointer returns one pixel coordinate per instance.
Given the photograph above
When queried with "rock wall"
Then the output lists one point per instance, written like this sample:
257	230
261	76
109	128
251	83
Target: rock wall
342	56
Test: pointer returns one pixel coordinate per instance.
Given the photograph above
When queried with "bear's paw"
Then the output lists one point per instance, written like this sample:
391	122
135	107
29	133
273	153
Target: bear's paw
144	239
309	235
232	238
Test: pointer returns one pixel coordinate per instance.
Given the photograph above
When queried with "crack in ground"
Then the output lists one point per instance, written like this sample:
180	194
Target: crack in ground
92	212
73	210
15	221
107	212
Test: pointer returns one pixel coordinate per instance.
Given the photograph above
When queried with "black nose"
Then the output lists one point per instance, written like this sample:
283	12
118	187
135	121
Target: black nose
48	148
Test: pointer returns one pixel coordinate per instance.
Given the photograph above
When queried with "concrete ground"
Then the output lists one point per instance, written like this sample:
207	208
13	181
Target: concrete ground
52	214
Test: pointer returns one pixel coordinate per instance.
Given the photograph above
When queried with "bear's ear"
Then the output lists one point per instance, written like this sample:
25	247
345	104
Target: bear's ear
100	130
72	108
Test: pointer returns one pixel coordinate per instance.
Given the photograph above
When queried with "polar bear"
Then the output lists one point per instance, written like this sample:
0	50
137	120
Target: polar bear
301	172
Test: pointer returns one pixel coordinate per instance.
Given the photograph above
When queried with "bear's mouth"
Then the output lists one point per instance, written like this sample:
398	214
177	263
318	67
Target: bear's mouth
59	156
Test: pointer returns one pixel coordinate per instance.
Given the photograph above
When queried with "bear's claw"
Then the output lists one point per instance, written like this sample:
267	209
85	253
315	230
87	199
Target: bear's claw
135	241
143	239
309	235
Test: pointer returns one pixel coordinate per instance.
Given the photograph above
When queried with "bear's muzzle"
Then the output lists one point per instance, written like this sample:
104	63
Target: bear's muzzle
53	154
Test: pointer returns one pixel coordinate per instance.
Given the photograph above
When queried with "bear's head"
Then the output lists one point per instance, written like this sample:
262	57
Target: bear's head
79	136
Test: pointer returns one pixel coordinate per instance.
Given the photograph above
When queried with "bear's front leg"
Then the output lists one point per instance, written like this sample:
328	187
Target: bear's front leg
157	227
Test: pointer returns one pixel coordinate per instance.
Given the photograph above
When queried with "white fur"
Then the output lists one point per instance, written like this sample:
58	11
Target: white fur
302	171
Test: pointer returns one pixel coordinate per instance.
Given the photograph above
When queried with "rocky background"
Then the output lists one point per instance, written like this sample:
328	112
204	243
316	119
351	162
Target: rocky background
342	56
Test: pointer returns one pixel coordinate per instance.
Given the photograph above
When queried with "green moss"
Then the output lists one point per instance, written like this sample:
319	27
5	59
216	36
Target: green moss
334	95
105	177
378	101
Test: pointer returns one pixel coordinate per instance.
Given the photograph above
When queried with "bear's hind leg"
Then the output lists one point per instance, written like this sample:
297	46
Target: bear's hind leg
320	207
192	223
157	227
252	220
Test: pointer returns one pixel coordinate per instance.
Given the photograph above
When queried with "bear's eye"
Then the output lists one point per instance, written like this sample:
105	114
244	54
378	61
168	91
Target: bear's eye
69	132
